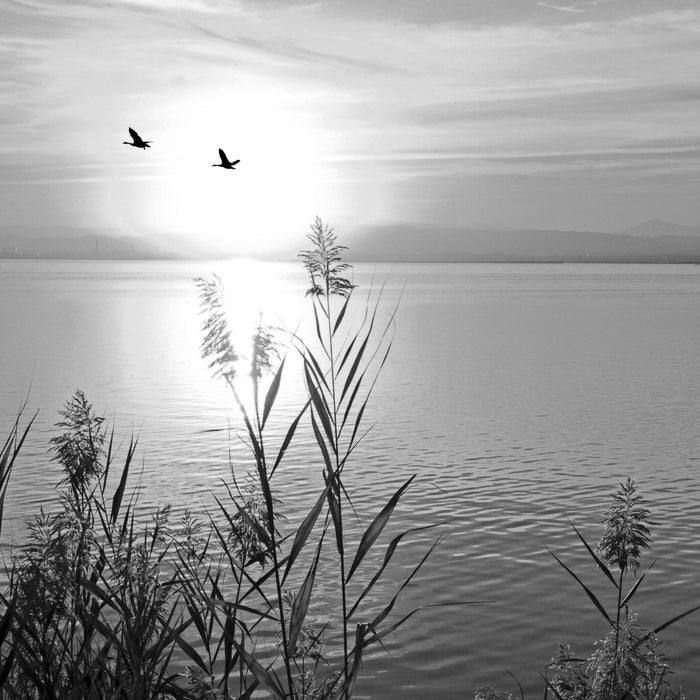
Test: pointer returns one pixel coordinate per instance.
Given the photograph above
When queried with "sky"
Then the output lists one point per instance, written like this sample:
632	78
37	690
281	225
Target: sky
569	114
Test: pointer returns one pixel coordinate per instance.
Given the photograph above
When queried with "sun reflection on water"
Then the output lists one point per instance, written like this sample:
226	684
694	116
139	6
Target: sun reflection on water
259	293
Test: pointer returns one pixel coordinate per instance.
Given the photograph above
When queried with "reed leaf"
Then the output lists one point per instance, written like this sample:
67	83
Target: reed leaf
377	636
300	605
319	403
341	314
356	427
375	528
520	687
319	333
258	452
248	694
168	635
351	401
367	396
321	442
272	393
263	676
675	619
119	493
191	653
346	689
304	530
8	455
595	557
387	558
107	597
7	618
237	605
334	509
388	608
634	588
347	353
6	666
252	523
588	591
229	630
356	363
315	367
288	439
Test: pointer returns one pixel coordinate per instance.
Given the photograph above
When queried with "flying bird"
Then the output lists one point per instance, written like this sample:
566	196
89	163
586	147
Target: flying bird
138	142
225	162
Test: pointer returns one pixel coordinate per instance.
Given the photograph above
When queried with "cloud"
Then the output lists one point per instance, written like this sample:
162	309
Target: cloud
370	93
560	8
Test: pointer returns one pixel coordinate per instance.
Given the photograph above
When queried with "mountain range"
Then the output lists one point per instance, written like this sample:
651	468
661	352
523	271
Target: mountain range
77	243
650	242
653	241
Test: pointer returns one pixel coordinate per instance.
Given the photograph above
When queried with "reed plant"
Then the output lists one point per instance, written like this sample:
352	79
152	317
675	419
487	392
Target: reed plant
627	663
88	613
340	371
104	604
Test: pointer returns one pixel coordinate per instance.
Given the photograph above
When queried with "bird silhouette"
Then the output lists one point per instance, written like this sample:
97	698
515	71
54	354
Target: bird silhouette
225	162
138	142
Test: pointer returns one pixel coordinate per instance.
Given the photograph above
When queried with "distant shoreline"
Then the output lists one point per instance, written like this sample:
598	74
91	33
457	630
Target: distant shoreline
695	260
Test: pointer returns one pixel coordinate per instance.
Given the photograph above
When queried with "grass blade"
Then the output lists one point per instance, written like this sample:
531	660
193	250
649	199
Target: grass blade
302	534
262	675
356	363
375	528
335	513
300	605
387	558
8	454
272	394
589	592
390	606
634	588
288	439
675	619
119	493
595	557
320	405
321	444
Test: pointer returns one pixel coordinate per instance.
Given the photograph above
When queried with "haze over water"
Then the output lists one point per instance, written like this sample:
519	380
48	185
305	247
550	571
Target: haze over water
519	394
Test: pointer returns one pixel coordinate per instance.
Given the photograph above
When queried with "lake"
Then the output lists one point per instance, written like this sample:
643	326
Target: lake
521	395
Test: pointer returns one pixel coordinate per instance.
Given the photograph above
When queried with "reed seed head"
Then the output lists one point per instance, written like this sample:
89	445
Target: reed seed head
216	346
324	263
627	530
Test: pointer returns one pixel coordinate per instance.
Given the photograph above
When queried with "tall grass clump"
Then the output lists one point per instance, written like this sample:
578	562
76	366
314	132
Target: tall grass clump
627	663
276	571
90	611
102	603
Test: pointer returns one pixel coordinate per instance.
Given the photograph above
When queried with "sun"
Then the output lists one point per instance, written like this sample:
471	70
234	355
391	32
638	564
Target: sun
282	181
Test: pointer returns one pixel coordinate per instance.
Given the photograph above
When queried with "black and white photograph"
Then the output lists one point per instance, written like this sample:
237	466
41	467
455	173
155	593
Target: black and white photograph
350	349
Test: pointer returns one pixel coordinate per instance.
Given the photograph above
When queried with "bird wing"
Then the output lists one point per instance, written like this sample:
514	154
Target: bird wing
235	162
222	155
134	135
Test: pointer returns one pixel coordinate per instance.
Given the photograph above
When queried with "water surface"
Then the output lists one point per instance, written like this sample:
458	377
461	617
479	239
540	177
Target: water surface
519	394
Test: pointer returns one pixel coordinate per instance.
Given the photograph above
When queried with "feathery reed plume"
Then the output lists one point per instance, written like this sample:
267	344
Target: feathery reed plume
80	448
627	662
324	263
216	345
626	529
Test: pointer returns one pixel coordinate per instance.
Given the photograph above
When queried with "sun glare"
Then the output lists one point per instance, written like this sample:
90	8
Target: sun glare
267	293
281	183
